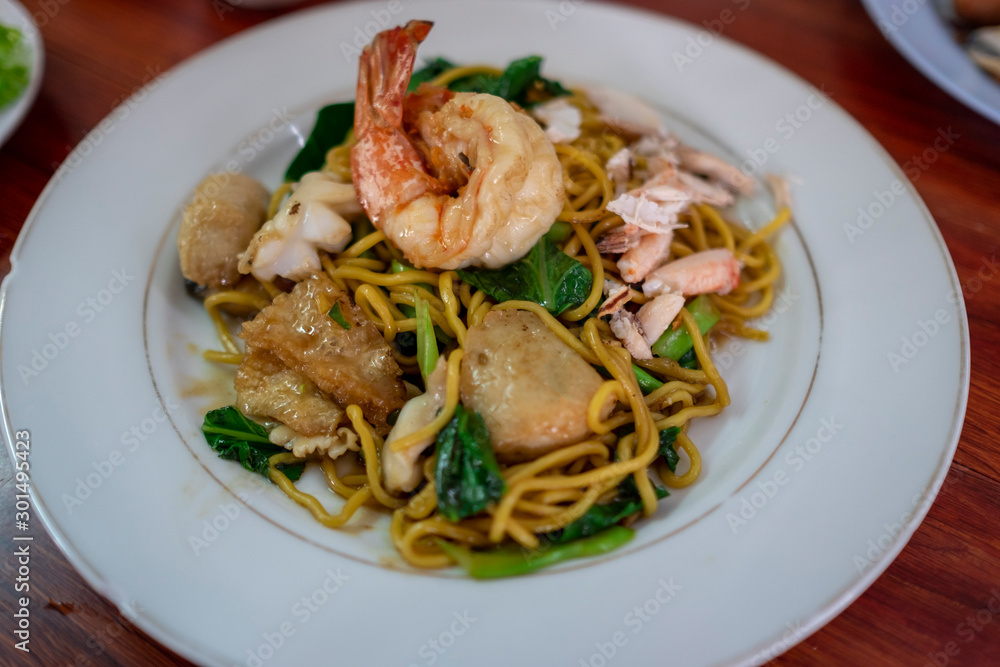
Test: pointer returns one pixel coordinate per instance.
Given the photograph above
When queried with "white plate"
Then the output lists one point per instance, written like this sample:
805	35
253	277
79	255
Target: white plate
827	447
920	31
13	14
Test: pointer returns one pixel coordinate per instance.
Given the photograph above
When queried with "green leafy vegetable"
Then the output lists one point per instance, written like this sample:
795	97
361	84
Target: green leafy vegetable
546	275
333	122
675	342
236	438
521	82
647	383
689	360
427	349
559	232
668	451
431	70
600	517
406	341
398	267
409	311
338	316
466	473
514	561
14	56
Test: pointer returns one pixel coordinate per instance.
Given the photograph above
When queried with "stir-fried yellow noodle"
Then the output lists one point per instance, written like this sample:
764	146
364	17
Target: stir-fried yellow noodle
557	488
551	491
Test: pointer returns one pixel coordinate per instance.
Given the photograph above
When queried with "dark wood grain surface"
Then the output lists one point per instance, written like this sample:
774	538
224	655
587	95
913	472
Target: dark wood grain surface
932	606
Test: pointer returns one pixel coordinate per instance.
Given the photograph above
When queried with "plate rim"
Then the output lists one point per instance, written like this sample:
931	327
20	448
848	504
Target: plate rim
826	611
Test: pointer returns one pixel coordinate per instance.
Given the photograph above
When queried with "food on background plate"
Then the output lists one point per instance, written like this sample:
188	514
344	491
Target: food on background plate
14	65
977	23
481	301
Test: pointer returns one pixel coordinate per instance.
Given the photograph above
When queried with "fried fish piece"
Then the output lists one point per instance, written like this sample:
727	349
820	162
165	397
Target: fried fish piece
227	210
353	365
531	389
265	387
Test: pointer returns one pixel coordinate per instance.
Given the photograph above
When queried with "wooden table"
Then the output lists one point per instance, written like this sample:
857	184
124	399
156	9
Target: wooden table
921	611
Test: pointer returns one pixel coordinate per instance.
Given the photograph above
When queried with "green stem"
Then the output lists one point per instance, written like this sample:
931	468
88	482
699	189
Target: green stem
238	435
514	561
675	342
427	349
559	232
647	383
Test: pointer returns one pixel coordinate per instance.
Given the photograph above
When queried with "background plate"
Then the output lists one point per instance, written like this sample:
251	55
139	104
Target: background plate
920	31
14	14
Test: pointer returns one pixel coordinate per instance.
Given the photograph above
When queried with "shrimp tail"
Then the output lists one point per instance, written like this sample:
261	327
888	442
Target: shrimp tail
384	73
385	167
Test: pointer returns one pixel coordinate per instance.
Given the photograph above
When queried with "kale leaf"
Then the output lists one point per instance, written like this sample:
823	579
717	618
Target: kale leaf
236	438
333	122
546	276
466	472
520	82
689	360
668	449
599	517
431	70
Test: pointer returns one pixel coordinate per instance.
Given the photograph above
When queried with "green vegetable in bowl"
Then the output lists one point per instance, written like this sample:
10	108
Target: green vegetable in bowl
14	74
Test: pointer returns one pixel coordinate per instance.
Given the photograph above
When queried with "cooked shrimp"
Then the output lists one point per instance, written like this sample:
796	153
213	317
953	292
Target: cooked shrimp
651	251
621	239
699	273
655	205
625	112
715	168
657	314
477	183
